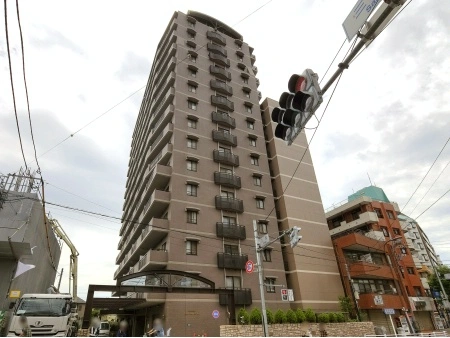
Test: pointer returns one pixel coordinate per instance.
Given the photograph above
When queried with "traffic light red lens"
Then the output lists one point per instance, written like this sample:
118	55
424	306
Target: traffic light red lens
300	84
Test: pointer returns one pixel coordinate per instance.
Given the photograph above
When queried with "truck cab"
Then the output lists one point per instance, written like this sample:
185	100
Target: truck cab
47	315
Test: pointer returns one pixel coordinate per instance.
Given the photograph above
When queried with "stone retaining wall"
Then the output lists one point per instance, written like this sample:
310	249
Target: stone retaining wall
351	329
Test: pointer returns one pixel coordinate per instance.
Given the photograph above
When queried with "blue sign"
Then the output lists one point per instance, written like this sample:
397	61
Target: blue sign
215	314
389	311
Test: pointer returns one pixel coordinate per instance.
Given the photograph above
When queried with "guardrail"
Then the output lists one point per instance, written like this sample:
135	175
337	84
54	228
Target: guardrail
421	334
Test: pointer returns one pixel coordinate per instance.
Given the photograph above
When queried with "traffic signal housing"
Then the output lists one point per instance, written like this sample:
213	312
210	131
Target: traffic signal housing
297	106
294	236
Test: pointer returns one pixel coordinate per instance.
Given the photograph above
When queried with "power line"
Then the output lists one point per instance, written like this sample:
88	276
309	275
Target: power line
431	186
331	63
12	82
138	90
423	179
433	203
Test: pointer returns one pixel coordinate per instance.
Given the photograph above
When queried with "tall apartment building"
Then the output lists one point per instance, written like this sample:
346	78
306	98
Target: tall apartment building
311	268
23	238
198	176
376	260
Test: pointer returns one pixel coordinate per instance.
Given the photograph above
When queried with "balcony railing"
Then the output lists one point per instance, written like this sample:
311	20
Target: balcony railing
226	157
221	87
217	49
231	261
224	137
222	103
220	73
241	297
229	204
216	37
223	119
227	180
233	231
219	59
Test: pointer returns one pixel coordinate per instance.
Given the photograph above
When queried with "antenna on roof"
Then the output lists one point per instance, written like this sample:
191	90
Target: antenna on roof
369	179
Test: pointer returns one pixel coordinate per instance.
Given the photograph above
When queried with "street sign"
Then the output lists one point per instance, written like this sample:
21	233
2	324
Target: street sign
284	295
358	16
389	311
264	240
215	314
249	267
447	276
14	294
378	300
290	295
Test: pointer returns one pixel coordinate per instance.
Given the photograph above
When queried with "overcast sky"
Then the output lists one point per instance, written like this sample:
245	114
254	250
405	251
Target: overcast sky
389	117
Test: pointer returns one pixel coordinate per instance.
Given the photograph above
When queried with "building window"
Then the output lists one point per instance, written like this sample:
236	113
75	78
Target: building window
418	291
417	235
410	271
233	282
192	89
192	123
191	248
390	214
396	231
192	216
379	213
191	190
227	194
229	220
192	143
191	35
380	286
191	165
355	214
247	94
267	255
192	105
254	160
193	73
262	227
245	80
191	24
250	125
231	249
385	231
257	181
403	251
259	203
270	285
248	109
252	141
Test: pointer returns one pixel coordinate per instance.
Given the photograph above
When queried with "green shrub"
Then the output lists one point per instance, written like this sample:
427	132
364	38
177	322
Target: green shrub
300	316
243	317
323	318
310	316
255	316
333	317
291	317
270	317
280	317
340	317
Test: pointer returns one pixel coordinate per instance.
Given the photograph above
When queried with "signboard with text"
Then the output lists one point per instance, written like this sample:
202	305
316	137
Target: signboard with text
358	16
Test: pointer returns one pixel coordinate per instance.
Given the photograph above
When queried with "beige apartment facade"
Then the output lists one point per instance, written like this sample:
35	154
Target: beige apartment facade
311	268
198	177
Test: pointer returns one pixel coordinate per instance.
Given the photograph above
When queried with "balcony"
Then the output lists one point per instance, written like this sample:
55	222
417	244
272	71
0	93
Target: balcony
411	245
241	297
252	59
359	242
223	119
233	231
229	204
224	137
422	303
222	103
424	282
255	70
230	261
152	234
219	59
155	206
220	73
221	87
368	270
216	37
365	218
227	180
366	301
216	49
226	157
152	260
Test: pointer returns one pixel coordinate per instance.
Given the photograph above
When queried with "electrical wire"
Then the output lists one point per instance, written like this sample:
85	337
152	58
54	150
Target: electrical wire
430	187
423	179
433	203
12	83
332	62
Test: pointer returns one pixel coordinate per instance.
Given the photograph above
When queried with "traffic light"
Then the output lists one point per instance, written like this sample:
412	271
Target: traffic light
297	106
294	236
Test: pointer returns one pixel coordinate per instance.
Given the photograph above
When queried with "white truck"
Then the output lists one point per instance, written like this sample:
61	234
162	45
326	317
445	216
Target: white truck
47	315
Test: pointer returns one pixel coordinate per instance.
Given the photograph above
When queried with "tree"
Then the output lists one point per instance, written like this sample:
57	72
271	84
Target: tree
434	282
291	317
310	316
300	316
346	305
280	317
255	316
95	313
243	317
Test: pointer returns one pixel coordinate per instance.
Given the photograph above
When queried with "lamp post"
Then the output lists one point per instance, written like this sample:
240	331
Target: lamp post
405	299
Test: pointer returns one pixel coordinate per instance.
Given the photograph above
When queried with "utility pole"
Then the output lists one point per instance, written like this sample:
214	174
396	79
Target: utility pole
60	277
352	287
294	239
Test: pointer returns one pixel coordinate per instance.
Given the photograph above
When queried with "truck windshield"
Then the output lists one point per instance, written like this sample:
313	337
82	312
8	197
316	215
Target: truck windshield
43	307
